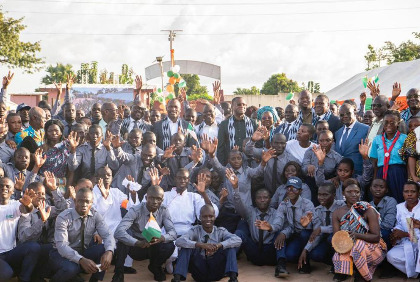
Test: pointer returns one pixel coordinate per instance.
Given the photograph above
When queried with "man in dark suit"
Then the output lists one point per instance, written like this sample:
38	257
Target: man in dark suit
323	112
348	137
167	127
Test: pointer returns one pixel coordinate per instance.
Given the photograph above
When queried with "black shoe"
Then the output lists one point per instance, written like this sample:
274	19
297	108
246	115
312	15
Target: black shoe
233	277
338	277
129	270
177	278
281	271
93	279
332	270
158	273
306	268
118	277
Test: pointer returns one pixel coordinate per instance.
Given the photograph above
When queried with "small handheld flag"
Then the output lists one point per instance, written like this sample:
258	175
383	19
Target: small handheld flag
151	229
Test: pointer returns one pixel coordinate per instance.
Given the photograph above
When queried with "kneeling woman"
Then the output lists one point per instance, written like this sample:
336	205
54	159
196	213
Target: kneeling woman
361	220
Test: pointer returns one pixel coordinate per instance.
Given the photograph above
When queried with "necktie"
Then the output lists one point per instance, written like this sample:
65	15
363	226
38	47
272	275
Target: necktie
261	234
293	217
82	233
327	218
92	161
135	124
140	175
178	161
206	238
345	136
274	176
133	150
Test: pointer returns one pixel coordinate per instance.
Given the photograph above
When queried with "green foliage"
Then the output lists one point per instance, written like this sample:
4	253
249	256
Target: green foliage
13	52
245	91
193	85
406	51
199	96
313	87
57	73
279	83
126	76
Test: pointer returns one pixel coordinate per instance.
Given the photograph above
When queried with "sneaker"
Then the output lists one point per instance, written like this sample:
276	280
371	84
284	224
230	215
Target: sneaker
177	278
118	277
129	270
281	271
158	273
338	277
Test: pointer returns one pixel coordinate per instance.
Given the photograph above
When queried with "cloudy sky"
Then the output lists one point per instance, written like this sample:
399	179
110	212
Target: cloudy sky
318	40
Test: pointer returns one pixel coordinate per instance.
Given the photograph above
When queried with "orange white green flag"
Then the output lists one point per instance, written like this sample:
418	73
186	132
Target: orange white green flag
152	229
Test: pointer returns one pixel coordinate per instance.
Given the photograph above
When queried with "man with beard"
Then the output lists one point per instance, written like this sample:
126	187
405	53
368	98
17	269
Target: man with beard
135	121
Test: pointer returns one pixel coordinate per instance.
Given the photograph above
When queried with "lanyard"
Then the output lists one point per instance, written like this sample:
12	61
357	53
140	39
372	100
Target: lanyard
388	154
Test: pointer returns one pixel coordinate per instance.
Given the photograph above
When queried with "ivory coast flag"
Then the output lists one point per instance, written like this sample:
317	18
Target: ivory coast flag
151	229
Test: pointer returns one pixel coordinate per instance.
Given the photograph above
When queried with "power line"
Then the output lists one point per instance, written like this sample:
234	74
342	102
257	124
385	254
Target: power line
217	15
199	4
220	34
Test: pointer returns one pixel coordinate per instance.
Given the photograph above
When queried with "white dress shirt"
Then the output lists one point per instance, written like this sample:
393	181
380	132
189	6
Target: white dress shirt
173	126
350	127
210	130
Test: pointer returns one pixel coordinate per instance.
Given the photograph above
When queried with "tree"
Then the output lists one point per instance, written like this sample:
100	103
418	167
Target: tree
245	91
312	87
93	73
193	85
279	83
126	76
13	52
57	73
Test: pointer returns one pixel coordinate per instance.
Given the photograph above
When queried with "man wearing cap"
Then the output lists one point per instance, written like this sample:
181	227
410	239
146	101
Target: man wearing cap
23	111
37	118
297	212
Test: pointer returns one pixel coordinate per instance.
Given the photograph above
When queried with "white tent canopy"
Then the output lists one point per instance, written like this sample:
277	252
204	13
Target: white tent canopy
406	73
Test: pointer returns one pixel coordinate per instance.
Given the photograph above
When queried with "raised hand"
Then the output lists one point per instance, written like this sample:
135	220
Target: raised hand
73	140
205	142
12	144
263	225
223	195
201	183
231	176
163	170
59	87
102	188
19	181
259	134
154	176
44	213
27	198
319	153
363	98
311	170
267	155
50	181
196	154
364	148
39	159
396	91
397	106
306	219
182	95
216	92
107	141
116	141
72	192
374	89
235	148
70	80
139	82
120	112
7	79
213	147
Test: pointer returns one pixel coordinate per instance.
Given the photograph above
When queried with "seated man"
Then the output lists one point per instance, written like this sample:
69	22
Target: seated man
319	246
262	224
20	260
295	234
207	251
133	243
74	230
403	253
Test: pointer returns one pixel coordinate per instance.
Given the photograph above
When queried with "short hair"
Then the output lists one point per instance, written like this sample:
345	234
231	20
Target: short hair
298	171
310	127
204	169
236	98
351	103
323	96
10	115
182	170
102	168
19	150
43	104
348	162
82	180
149	133
321	122
136	131
350	181
383	181
410	182
67	104
329	132
329	186
83	191
95	126
393	113
154	188
207	206
35	185
263	190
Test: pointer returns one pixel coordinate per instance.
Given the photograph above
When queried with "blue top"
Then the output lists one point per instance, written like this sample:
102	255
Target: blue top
377	151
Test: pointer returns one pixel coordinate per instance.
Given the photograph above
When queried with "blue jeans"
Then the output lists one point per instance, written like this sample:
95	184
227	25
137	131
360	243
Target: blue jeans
267	256
21	260
323	252
65	270
42	269
202	268
385	233
294	246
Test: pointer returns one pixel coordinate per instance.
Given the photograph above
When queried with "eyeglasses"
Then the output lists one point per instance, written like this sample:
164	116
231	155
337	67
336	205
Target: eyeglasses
292	189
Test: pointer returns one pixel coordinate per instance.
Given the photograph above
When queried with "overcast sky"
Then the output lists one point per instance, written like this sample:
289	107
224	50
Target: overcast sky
323	41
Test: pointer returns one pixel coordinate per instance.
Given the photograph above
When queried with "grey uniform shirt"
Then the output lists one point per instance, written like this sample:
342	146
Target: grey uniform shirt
302	207
244	175
133	223
330	163
319	221
30	226
281	194
251	214
83	157
11	172
218	235
282	160
67	236
6	153
387	208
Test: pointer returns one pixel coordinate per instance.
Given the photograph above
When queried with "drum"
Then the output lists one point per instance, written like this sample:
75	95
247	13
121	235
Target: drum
341	242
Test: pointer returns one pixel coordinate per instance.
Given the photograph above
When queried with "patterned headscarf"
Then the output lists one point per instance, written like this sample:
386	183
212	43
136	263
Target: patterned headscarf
264	109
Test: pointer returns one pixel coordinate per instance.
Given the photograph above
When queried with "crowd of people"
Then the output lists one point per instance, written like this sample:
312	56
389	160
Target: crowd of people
190	190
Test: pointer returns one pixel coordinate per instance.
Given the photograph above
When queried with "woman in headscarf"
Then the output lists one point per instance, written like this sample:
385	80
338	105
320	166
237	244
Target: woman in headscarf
268	117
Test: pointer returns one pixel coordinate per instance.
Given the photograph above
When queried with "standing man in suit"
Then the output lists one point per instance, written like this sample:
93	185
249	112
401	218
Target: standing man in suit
233	130
348	137
323	112
167	127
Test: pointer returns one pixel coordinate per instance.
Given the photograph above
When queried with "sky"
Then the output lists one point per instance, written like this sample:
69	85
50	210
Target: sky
320	40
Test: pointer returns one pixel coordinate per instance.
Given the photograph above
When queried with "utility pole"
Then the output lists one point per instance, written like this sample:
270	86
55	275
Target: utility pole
171	38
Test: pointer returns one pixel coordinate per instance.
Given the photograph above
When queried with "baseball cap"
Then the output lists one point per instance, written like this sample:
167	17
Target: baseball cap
22	106
295	182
